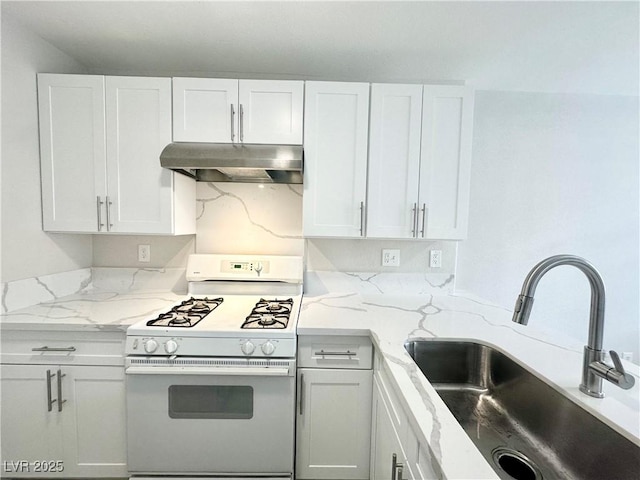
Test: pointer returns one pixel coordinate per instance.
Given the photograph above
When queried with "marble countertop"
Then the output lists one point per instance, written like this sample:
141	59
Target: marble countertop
392	319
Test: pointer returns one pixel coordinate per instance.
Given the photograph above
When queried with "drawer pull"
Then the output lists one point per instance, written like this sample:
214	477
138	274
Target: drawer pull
348	353
53	349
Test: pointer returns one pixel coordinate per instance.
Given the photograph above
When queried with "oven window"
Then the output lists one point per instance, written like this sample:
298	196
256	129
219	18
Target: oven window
210	401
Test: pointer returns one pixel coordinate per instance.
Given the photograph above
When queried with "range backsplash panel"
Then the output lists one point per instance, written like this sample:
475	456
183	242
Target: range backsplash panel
248	218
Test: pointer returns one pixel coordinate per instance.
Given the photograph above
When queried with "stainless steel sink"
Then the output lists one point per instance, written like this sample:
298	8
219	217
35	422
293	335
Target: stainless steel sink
524	428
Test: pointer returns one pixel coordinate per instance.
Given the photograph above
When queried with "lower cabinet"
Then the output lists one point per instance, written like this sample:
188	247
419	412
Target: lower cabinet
396	451
61	420
334	408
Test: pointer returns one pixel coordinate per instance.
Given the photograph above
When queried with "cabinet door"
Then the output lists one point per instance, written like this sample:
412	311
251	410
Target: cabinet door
94	427
394	160
445	170
335	143
138	128
72	150
271	111
385	441
334	424
30	432
205	110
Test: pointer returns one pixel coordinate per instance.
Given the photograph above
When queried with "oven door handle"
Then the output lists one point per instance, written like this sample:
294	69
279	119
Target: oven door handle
241	371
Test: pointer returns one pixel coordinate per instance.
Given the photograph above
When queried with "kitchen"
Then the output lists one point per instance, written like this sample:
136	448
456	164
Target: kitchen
521	128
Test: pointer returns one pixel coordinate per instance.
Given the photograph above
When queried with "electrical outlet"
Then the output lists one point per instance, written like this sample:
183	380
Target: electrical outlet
435	258
144	253
390	258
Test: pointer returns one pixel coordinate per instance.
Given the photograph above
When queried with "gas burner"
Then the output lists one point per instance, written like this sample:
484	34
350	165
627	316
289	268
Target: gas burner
269	314
187	314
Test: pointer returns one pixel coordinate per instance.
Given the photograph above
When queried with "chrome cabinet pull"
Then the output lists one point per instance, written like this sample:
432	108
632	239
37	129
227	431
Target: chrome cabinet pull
396	468
241	123
109	224
348	353
60	400
301	399
50	401
414	223
233	119
362	219
53	349
99	204
424	219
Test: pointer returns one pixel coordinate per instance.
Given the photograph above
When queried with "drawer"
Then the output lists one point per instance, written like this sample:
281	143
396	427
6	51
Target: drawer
325	351
58	347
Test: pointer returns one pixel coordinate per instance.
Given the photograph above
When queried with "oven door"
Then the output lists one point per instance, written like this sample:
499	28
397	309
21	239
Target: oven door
207	416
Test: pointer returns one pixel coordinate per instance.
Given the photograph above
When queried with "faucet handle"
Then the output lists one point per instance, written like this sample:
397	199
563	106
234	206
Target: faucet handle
616	361
623	380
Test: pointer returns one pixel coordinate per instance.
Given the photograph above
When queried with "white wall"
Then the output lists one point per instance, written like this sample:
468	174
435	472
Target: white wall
556	174
27	251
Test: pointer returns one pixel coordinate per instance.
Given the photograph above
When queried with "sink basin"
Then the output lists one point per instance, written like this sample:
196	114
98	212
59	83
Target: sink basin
523	427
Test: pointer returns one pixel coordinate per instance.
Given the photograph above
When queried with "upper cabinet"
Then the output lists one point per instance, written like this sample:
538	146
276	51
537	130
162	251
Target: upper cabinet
394	160
445	161
419	161
237	111
100	143
335	148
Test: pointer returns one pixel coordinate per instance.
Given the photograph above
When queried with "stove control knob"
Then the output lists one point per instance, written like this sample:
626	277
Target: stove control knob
150	346
268	348
248	347
170	346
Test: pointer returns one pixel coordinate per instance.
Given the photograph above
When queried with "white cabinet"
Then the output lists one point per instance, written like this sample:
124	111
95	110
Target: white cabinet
388	454
335	145
419	161
394	160
334	408
237	111
397	453
60	418
100	143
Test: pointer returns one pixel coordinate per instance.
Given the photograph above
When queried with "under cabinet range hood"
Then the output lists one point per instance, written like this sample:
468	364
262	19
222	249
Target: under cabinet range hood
223	162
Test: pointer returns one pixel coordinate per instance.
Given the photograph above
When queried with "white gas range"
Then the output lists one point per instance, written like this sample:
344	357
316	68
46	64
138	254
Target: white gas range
211	382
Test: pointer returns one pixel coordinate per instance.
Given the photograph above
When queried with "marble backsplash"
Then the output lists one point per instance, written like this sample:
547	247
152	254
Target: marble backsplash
32	291
249	218
246	219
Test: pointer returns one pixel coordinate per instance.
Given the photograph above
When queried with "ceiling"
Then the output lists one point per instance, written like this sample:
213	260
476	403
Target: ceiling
569	47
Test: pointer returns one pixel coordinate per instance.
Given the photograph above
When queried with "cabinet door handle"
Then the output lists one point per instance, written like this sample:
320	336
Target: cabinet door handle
53	349
99	204
233	120
362	219
396	468
60	400
241	123
109	203
301	399
50	401
424	219
414	222
348	353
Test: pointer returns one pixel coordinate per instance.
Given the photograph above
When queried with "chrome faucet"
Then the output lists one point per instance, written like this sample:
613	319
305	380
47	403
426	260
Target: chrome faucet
593	367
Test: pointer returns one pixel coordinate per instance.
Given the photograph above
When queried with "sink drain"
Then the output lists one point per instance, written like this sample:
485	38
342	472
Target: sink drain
515	464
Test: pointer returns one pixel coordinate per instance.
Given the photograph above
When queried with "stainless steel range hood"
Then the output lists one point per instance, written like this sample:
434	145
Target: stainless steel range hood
222	162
